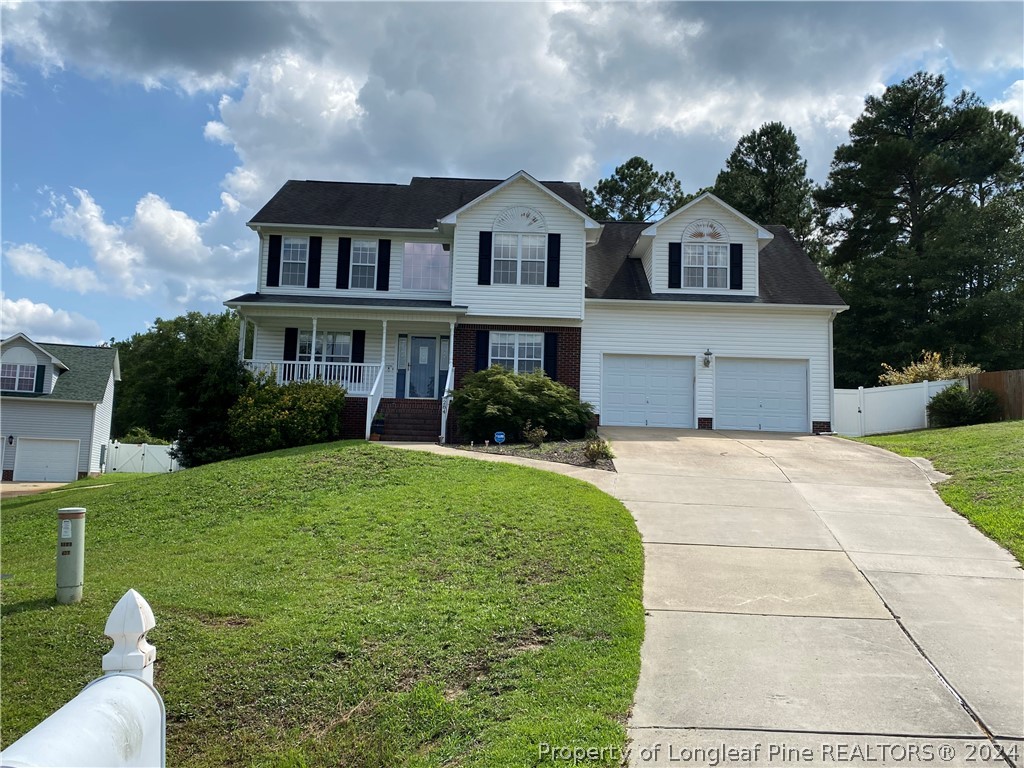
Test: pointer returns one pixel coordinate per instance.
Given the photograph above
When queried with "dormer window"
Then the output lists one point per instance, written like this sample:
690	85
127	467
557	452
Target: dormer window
15	377
520	247
705	255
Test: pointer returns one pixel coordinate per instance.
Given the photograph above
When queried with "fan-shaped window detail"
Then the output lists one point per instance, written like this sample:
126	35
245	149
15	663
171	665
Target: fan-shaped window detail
705	255
520	247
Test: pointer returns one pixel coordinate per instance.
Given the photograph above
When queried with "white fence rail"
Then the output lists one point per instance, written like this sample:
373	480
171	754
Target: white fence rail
118	719
878	410
139	457
356	378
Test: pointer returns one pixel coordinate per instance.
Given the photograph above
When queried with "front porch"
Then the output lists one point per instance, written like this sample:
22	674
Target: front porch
399	369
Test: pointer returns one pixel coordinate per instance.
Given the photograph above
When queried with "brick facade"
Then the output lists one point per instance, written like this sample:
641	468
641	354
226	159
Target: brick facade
353	419
569	345
817	427
705	422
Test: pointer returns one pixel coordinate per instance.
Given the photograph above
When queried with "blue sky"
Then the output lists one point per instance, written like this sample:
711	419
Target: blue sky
138	138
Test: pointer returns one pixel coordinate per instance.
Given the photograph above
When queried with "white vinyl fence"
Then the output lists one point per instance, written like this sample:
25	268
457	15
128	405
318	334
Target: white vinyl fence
877	410
139	457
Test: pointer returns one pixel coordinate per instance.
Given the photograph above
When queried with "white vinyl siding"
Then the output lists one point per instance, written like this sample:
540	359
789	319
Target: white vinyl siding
48	419
672	232
613	328
102	418
526	301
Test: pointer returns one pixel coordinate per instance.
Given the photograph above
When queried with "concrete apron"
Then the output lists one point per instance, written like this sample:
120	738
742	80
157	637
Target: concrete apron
811	601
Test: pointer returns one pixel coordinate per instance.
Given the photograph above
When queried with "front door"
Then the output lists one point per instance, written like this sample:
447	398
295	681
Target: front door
423	366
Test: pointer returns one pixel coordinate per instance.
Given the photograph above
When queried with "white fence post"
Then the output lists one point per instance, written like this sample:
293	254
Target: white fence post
860	410
118	719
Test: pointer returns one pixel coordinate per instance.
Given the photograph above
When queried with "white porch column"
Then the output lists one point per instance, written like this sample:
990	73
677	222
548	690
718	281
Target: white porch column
312	352
383	342
242	329
451	343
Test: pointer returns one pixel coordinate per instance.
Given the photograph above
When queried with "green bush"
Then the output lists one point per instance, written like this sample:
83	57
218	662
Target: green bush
534	435
268	415
931	367
140	435
956	406
498	400
597	448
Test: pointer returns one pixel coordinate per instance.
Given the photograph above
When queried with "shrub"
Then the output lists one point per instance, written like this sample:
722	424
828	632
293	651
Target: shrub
597	448
498	400
534	435
139	435
956	406
931	367
268	415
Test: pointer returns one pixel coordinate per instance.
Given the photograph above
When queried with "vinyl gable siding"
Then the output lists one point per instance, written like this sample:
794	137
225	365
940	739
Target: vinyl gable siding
104	413
565	301
729	332
672	231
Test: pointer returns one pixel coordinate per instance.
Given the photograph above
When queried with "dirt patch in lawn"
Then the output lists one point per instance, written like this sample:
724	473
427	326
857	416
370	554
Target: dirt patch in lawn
562	451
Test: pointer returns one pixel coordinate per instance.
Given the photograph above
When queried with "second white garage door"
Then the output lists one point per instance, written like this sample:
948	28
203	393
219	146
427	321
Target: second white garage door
647	391
768	395
41	460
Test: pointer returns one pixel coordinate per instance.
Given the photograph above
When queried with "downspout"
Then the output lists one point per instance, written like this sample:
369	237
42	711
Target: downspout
831	375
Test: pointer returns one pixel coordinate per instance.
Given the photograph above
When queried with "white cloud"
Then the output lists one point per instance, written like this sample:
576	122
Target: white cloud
41	322
29	260
1013	100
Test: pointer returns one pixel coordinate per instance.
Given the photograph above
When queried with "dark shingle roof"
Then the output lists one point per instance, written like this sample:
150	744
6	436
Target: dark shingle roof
86	378
417	205
786	273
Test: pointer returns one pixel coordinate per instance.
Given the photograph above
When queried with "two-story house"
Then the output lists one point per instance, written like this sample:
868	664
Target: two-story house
56	406
703	319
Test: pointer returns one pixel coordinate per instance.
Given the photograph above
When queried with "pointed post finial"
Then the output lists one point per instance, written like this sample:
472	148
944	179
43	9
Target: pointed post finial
127	626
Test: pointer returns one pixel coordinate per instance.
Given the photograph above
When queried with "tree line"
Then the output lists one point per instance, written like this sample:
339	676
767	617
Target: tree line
919	225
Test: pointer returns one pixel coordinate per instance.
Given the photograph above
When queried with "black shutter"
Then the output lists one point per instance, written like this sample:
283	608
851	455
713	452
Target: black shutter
735	266
383	264
344	259
291	343
675	265
554	259
483	347
274	262
313	272
551	355
483	269
358	346
40	378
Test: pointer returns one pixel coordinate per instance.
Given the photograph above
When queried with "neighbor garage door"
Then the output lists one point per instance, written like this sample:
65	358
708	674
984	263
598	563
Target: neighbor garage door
41	460
766	395
647	391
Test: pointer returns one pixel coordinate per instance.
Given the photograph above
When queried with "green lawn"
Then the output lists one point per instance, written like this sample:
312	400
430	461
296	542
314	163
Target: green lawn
344	604
987	465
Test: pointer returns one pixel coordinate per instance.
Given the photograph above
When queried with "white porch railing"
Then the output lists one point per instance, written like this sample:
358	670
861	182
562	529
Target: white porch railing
357	378
373	399
118	719
446	402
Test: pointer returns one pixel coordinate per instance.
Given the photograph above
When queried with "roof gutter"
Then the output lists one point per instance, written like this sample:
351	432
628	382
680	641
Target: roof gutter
256	226
722	304
342	307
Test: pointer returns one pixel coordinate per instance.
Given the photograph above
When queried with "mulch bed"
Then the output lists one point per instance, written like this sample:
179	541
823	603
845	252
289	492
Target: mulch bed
562	451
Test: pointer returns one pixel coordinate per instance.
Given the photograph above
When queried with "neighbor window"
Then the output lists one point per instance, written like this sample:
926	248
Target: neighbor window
705	265
519	258
519	352
425	267
364	264
18	378
293	260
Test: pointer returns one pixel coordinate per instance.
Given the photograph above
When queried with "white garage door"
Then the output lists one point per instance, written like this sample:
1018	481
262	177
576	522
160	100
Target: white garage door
640	391
768	395
39	460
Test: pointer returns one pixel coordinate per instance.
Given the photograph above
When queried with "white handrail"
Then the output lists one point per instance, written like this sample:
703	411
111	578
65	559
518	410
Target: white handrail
446	402
356	378
373	401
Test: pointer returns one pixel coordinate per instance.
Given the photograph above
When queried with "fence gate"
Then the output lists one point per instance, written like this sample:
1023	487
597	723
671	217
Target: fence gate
139	457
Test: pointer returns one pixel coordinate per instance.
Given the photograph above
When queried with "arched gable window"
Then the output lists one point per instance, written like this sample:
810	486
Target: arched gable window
705	255
520	247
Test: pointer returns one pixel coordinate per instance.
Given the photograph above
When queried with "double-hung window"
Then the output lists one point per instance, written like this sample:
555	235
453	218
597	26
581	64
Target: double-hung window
294	251
705	265
18	378
364	264
519	258
518	352
331	347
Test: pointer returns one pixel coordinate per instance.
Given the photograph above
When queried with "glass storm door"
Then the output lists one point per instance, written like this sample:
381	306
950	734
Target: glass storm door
423	367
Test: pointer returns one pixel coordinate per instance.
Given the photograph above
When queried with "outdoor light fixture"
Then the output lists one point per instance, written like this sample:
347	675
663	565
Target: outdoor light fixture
10	439
707	359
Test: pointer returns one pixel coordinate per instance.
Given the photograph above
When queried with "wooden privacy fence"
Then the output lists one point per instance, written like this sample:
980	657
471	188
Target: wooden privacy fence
1008	386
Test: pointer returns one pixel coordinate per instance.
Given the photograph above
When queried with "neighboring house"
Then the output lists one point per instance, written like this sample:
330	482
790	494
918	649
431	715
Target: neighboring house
703	319
56	403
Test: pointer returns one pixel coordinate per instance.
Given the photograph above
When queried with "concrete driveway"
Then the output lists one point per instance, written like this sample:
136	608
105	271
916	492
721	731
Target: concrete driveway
811	601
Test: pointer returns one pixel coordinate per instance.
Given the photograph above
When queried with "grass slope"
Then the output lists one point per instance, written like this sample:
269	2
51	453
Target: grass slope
345	604
987	467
